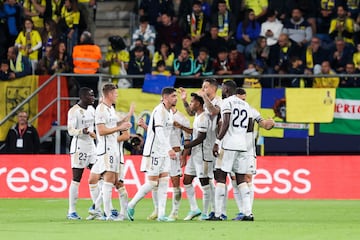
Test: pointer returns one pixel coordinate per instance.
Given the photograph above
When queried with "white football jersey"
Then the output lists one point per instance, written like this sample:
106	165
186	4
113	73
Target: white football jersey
106	115
213	122
157	142
78	119
202	124
235	137
177	133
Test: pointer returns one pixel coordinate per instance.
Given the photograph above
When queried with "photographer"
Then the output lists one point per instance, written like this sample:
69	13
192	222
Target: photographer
135	145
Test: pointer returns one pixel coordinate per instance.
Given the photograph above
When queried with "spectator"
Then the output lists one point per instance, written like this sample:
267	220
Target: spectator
139	64
234	6
308	9
44	65
86	56
340	56
247	32
314	55
326	82
196	23
29	42
356	57
237	64
296	68
342	26
165	54
271	28
252	81
5	70
22	138
279	6
154	8
187	44
146	33
61	63
225	21
168	31
139	43
49	34
297	28
347	81
161	69
221	64
13	10
203	65
281	53
213	42
260	53
86	9
117	58
69	24
260	8
184	66
35	11
326	11
19	65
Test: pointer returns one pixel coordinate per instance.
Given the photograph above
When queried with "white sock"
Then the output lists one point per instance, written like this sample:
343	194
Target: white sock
155	198
144	189
162	195
123	198
107	193
206	198
94	192
99	200
245	198
73	195
237	195
219	198
212	194
176	197
251	189
190	192
224	205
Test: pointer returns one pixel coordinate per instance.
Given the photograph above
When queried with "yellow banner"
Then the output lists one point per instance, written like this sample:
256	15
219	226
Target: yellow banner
310	105
12	93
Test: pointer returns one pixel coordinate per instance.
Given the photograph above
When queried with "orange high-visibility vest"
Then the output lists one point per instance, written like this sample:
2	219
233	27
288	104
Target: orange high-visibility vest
86	58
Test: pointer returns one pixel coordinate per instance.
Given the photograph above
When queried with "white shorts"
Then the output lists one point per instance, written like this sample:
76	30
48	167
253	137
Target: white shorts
157	165
219	159
175	169
82	159
237	162
108	162
196	166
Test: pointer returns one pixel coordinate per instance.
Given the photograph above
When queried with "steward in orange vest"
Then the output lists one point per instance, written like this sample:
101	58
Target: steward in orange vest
86	55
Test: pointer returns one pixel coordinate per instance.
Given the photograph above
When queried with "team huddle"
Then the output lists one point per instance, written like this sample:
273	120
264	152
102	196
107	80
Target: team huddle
220	143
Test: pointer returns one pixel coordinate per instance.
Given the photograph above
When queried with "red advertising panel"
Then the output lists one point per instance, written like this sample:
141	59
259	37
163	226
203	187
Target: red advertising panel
320	177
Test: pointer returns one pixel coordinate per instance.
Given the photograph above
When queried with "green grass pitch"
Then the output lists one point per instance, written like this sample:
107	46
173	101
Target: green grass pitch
44	219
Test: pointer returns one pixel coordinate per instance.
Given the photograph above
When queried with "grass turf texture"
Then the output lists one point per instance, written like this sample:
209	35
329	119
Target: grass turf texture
28	219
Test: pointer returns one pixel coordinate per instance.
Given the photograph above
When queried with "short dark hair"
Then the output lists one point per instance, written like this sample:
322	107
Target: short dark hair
167	91
198	98
240	91
84	91
231	85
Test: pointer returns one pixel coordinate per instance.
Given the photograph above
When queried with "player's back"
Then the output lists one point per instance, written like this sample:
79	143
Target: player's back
239	110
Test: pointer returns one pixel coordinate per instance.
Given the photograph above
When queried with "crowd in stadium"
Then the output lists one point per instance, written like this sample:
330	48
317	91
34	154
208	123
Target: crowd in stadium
194	38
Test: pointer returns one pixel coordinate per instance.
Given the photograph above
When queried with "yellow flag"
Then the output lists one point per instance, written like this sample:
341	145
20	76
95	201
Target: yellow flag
308	105
12	93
